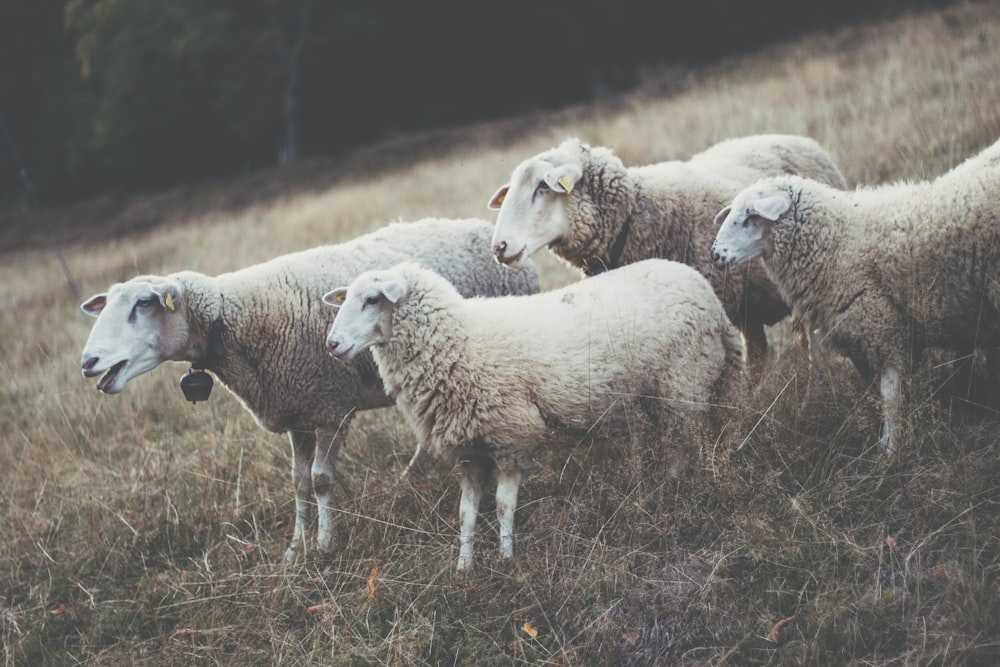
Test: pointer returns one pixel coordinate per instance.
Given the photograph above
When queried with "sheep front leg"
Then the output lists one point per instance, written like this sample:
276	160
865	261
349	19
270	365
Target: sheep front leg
328	446
889	386
474	474
303	448
756	344
508	483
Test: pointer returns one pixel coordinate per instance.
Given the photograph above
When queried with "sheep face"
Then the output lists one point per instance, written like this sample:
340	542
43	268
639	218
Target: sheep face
533	205
139	326
746	226
364	313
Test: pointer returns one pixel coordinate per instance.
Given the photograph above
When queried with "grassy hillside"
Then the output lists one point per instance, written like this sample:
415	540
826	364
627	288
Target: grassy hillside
140	529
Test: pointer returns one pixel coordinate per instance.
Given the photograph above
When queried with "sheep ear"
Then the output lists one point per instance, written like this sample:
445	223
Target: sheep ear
498	197
335	297
564	177
393	290
169	294
722	215
771	208
94	305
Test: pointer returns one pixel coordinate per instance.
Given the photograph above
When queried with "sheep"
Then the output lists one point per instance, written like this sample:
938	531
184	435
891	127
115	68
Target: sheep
884	271
596	214
484	382
261	331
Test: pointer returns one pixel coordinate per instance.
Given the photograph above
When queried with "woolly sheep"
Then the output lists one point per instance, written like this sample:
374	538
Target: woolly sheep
596	214
484	382
884	272
261	331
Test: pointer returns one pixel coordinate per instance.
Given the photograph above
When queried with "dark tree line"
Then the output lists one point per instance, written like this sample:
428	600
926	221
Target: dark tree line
99	95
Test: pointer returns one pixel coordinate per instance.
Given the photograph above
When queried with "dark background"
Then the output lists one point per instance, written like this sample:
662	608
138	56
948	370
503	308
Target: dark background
102	96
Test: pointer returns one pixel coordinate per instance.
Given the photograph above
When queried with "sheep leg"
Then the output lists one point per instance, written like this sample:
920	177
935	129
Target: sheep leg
303	448
756	343
889	386
508	483
817	363
329	443
474	472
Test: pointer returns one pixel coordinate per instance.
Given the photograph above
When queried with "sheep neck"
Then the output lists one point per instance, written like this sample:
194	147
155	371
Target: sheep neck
595	265
799	263
206	310
215	348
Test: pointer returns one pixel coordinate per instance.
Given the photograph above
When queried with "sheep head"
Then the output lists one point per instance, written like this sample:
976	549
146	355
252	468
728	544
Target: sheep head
140	324
364	312
746	225
532	207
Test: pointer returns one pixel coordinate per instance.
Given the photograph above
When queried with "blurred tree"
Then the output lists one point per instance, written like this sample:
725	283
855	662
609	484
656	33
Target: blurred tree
291	38
154	67
142	94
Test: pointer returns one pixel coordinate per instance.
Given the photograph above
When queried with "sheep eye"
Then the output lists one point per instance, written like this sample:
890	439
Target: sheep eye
373	300
145	302
542	186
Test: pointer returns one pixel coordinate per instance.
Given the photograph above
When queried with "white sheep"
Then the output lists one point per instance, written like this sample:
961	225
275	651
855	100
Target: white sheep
262	331
884	272
597	214
484	382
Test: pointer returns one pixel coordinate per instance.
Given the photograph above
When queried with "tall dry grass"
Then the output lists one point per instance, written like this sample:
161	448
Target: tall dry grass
140	529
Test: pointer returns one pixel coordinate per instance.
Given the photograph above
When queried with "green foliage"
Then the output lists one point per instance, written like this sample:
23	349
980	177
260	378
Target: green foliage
164	78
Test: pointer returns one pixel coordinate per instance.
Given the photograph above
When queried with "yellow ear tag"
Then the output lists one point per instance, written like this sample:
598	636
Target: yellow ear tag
170	301
340	298
565	183
501	198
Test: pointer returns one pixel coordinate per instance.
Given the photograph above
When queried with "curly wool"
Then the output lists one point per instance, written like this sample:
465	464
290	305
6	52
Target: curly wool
510	373
666	210
883	272
271	324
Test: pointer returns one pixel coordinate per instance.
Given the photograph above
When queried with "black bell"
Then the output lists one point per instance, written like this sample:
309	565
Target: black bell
196	385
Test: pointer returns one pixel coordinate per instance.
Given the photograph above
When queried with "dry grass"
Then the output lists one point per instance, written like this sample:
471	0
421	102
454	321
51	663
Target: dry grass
140	529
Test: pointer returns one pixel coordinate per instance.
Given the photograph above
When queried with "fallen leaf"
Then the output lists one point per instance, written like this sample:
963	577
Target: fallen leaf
185	633
772	636
892	543
58	611
371	583
317	608
468	588
529	629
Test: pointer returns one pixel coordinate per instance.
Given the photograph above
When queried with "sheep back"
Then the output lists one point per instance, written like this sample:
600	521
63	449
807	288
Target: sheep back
508	373
275	323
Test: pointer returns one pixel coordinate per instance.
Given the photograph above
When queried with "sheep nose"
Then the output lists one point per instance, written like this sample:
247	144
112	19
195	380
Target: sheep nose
499	249
331	346
88	366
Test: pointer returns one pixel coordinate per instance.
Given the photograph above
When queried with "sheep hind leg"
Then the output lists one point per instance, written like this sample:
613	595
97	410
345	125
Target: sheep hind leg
303	448
891	390
328	446
508	483
474	474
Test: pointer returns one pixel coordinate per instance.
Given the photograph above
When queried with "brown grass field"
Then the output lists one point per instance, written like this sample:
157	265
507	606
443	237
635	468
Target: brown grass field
142	530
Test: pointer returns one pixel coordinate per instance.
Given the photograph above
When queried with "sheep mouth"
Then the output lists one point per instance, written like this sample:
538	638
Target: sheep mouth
730	264
342	354
511	260
109	379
